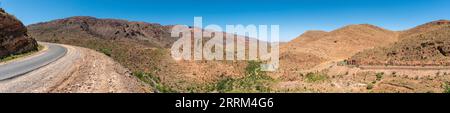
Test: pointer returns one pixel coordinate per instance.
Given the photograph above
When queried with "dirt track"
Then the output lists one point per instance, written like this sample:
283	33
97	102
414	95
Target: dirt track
81	70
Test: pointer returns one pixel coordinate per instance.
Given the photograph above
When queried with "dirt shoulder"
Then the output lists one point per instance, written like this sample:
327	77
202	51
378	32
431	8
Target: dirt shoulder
81	70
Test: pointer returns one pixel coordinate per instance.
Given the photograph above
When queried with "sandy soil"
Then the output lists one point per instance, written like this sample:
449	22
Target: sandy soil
81	70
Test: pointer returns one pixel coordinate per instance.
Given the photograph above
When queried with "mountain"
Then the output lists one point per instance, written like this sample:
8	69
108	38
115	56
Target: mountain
316	47
427	44
306	38
109	29
344	42
13	36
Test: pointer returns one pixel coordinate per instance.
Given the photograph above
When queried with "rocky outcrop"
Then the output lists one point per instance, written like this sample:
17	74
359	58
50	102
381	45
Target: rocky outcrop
13	36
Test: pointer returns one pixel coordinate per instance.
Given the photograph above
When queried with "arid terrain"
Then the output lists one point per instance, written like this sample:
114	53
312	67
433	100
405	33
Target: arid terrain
356	58
365	58
27	67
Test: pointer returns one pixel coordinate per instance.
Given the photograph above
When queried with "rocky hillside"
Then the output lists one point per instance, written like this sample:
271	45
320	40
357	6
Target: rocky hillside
13	36
425	45
109	29
316	47
344	42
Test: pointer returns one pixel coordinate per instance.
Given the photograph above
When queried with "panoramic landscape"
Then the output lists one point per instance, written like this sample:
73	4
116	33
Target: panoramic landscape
97	54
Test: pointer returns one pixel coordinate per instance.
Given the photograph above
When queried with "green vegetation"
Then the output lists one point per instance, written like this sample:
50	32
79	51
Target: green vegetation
14	56
446	88
369	86
254	81
106	51
343	63
379	76
154	81
316	77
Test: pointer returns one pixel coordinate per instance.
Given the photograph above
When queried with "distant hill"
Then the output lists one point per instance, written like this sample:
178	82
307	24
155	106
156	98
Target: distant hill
306	38
316	47
427	44
13	36
343	42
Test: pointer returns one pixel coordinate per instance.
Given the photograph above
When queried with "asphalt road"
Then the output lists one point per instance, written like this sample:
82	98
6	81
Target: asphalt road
23	66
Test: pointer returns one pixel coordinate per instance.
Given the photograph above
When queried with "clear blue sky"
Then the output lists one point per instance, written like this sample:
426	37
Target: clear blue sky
293	16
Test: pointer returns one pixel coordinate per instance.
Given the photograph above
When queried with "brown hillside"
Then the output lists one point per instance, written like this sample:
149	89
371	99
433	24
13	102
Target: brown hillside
109	29
306	38
428	44
13	36
431	26
344	42
315	47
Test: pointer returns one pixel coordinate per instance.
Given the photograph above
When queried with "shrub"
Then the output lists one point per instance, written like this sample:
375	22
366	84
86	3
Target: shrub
369	86
254	69
447	88
394	73
155	82
225	85
316	77
379	76
343	63
106	51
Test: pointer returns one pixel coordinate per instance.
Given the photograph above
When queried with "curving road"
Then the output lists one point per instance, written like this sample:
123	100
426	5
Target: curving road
23	66
67	69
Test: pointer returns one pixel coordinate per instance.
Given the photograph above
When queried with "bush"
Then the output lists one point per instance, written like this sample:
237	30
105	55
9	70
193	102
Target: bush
155	82
369	86
447	88
316	77
106	51
254	69
343	63
225	85
379	76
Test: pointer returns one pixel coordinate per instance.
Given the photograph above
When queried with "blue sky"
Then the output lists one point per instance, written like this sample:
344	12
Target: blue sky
293	16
